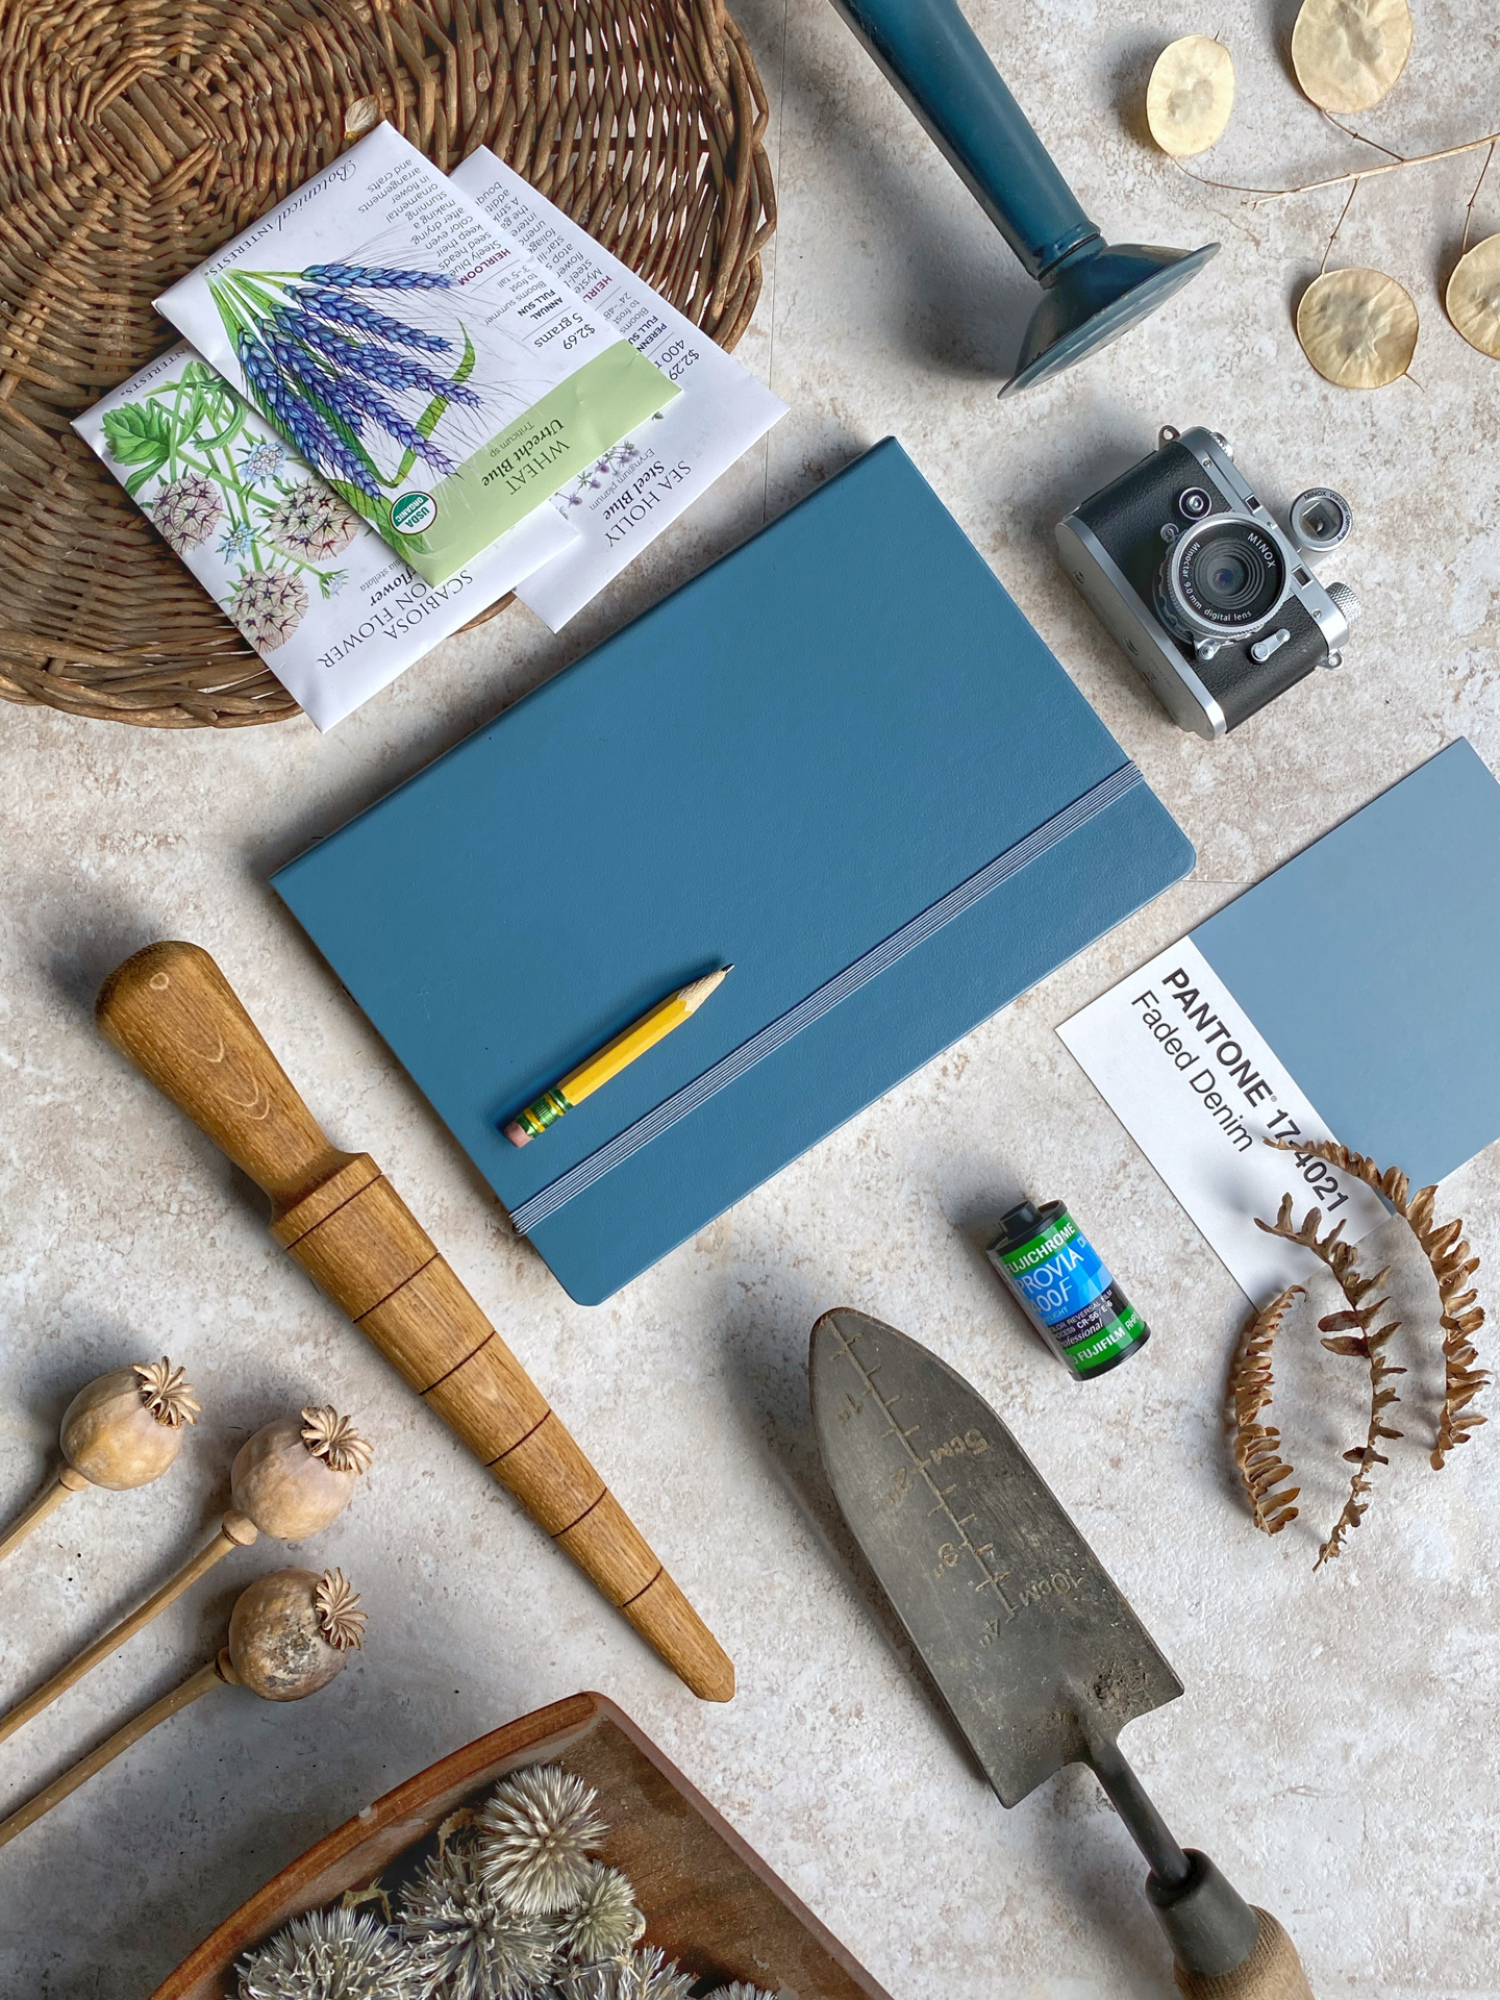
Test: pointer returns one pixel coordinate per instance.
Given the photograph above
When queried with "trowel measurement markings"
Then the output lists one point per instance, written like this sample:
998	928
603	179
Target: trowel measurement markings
947	1554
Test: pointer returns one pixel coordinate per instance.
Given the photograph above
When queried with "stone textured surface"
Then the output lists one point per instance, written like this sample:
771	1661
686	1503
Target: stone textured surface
1334	1749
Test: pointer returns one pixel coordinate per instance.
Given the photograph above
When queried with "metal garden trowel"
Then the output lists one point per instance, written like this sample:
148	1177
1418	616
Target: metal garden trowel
1038	1656
1092	290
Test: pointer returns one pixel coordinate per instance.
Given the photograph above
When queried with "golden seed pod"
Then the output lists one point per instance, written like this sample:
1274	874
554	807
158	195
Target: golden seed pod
1473	296
1190	96
1358	328
1349	53
290	1631
297	1474
126	1428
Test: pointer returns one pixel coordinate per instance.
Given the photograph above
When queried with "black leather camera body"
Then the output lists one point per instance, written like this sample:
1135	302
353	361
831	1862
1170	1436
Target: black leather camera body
1213	600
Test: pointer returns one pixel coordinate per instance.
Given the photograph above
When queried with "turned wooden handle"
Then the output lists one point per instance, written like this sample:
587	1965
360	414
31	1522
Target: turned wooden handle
1273	1971
172	1011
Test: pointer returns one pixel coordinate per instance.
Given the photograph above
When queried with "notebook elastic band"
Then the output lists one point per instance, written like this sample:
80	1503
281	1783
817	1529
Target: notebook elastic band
548	1200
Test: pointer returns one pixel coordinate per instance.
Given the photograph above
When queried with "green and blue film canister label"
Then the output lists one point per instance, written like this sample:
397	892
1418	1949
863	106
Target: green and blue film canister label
1068	1293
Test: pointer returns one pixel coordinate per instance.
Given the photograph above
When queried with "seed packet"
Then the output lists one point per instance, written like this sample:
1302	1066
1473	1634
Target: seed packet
623	501
333	611
440	381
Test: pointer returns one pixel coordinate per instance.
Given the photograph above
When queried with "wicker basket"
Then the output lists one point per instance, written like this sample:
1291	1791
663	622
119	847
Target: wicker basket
136	136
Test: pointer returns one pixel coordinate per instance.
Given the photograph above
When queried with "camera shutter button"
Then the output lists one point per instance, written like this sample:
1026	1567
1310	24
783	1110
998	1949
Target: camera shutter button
1193	504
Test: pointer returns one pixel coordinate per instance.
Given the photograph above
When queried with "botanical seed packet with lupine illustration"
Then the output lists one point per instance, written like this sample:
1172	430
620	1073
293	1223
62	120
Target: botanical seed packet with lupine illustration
438	378
330	608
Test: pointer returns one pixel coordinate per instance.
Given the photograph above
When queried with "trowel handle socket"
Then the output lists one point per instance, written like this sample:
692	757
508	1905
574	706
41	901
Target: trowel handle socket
1222	1946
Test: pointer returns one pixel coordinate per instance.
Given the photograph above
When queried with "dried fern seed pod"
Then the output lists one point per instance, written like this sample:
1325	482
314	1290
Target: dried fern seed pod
335	1954
534	1833
291	1631
297	1474
126	1428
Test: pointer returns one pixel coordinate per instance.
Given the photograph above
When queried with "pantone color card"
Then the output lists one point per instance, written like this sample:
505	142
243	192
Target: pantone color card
439	380
624	500
1180	1064
1349	995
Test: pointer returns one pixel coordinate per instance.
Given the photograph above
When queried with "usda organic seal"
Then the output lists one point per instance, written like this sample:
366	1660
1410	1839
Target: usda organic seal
413	513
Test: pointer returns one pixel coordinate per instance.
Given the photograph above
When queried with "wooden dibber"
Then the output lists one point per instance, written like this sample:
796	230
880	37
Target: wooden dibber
171	1010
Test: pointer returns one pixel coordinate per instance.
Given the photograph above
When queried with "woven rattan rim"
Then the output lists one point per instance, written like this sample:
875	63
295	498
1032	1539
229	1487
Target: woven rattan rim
137	135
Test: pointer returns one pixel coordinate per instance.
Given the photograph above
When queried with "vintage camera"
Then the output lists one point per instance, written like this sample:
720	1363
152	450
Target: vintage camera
1216	603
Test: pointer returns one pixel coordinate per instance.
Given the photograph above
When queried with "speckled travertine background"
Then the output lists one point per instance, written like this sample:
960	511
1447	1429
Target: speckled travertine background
1335	1748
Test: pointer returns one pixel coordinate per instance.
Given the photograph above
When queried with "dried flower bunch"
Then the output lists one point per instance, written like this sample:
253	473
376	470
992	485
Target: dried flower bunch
1353	1332
511	1906
1357	326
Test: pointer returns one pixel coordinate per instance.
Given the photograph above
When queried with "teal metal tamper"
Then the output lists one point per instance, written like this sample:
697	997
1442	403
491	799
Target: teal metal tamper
1092	291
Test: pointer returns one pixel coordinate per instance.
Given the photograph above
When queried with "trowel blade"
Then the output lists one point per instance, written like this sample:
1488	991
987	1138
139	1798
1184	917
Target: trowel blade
1036	1652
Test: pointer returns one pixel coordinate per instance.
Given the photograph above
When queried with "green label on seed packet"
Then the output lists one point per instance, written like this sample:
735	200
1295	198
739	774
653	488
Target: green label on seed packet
566	432
435	374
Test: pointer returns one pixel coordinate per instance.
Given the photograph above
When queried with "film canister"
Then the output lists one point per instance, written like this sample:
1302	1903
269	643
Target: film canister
1065	1289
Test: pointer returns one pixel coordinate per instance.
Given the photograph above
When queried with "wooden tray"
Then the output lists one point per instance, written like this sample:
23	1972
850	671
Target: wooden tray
710	1902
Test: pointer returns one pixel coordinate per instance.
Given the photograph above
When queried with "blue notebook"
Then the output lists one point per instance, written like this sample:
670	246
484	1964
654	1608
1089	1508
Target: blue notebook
841	760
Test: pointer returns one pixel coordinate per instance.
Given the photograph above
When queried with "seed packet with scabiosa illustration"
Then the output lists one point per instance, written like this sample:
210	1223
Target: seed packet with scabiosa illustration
333	611
433	373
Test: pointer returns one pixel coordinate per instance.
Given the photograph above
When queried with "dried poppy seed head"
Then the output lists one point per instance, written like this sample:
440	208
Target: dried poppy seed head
534	1835
330	1955
604	1920
333	1438
464	1942
636	1975
113	1431
340	1619
167	1393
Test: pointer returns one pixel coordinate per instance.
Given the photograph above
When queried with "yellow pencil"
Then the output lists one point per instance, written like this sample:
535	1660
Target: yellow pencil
657	1022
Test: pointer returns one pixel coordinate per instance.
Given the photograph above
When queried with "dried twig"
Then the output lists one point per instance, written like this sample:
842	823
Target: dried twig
1261	195
1257	1446
1370	1346
1473	198
1453	1266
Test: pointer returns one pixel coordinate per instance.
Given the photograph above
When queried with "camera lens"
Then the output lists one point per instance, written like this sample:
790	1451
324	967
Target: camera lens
1223	577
